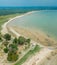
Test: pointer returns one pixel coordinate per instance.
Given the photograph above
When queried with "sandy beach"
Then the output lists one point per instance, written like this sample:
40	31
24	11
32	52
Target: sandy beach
4	26
38	37
44	57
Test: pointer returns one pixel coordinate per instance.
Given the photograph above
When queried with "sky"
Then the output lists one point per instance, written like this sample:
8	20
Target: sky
28	2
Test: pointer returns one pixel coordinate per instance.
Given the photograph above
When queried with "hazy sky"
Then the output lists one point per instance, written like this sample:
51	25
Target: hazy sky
28	2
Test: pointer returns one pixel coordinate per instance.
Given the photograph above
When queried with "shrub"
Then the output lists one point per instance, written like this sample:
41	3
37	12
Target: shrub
28	40
1	39
7	37
21	40
6	50
15	40
12	56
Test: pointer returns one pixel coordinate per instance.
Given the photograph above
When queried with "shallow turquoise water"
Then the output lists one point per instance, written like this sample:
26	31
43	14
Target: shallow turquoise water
43	20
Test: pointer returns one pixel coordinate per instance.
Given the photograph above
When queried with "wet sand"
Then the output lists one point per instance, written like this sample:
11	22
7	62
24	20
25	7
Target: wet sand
38	36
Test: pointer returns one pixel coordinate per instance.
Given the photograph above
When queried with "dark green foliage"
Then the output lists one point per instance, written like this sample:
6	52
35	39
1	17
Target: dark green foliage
12	10
21	40
13	47
6	50
28	40
15	40
1	39
7	37
12	56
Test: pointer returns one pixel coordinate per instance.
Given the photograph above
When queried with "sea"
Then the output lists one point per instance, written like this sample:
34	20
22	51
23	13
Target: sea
43	18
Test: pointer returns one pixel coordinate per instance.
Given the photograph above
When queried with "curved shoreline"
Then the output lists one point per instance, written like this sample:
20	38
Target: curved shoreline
4	28
48	41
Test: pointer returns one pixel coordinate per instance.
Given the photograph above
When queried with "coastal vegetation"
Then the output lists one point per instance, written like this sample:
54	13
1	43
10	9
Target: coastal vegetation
7	37
11	45
30	53
18	50
13	48
8	45
12	10
5	18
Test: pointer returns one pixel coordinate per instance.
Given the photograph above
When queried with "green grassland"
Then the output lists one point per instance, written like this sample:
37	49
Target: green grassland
5	18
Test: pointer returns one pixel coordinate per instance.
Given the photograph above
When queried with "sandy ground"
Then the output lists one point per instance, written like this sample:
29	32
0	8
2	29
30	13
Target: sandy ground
39	56
38	36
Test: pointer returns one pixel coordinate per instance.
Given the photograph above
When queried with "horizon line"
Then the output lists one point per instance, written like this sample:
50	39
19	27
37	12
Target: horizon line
28	6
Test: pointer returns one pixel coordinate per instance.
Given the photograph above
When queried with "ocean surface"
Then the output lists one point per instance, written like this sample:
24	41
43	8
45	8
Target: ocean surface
44	20
14	10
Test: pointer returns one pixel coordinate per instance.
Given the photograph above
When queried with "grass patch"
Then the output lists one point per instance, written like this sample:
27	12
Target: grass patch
26	56
5	18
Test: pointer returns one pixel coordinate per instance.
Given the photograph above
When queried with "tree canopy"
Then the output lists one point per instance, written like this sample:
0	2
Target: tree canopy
7	36
21	40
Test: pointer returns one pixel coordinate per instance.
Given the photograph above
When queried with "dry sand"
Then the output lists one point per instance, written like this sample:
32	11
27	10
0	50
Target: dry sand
38	57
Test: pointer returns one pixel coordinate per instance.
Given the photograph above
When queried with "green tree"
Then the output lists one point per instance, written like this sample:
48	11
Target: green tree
12	56
28	40
7	37
15	40
13	47
6	50
1	34
21	40
1	39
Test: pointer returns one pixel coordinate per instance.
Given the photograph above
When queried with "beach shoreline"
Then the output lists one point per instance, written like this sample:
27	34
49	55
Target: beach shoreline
18	30
39	37
4	26
6	29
